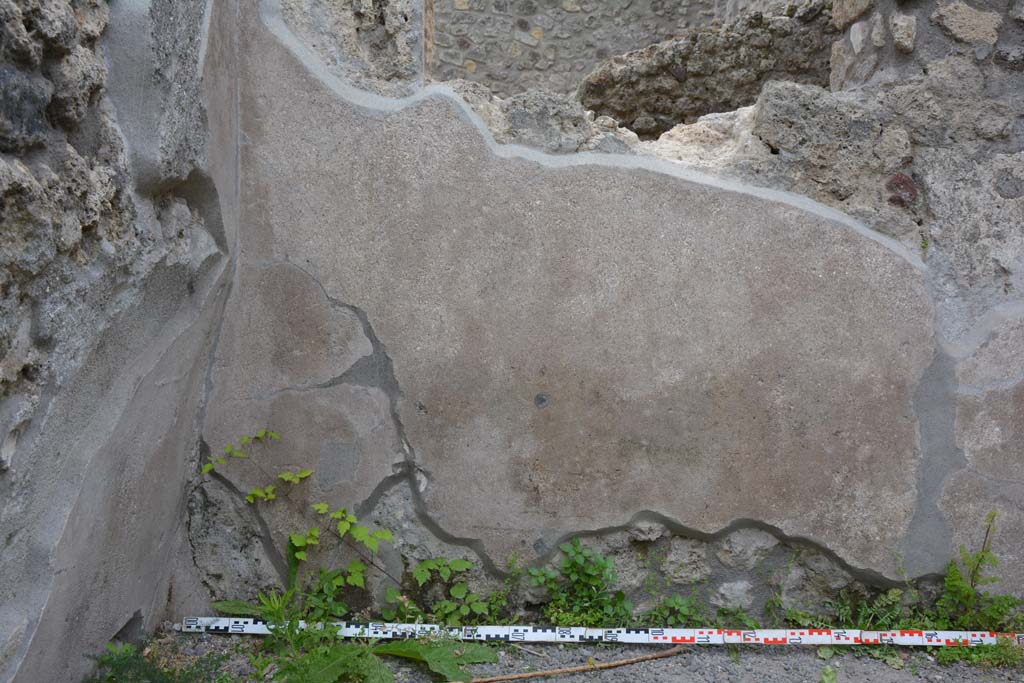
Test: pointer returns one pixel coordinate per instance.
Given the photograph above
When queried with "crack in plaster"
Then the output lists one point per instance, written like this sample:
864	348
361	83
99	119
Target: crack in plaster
927	542
377	370
933	399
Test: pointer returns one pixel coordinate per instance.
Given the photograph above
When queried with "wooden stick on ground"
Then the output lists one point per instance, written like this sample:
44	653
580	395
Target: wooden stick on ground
581	669
535	653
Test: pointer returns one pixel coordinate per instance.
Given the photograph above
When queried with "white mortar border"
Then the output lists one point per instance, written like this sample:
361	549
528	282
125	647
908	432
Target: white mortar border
270	13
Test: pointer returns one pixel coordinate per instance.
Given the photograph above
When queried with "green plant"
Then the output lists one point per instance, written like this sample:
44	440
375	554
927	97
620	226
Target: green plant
580	592
677	612
883	612
803	619
732	617
963	604
439	567
442	656
774	610
458	605
401	608
127	664
262	437
1005	653
829	675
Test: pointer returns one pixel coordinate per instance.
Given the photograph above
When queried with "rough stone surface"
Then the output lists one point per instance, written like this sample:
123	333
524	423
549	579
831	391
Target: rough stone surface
967	24
713	68
108	302
549	121
904	31
845	12
516	45
745	548
375	43
734	595
686	561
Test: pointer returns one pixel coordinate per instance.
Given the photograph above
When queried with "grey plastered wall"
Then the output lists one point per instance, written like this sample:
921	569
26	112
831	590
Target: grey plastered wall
708	351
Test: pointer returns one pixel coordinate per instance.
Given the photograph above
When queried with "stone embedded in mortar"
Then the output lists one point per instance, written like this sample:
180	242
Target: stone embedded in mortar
968	25
712	68
845	12
77	78
22	109
744	548
376	44
686	560
555	123
513	47
904	31
737	595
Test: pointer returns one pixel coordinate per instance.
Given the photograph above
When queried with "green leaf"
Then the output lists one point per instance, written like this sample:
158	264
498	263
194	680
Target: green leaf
244	440
360	533
343	528
221	461
274	435
301	555
320	508
237	608
828	675
260	434
825	652
342	662
207	468
421	574
372	543
445	572
460	565
298	540
444	658
229	448
302	474
478	607
384	535
459	591
238	454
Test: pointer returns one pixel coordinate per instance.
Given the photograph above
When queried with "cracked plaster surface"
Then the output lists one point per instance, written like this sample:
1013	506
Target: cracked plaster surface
491	280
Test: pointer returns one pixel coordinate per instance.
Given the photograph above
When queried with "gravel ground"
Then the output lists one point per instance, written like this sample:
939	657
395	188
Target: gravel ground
698	665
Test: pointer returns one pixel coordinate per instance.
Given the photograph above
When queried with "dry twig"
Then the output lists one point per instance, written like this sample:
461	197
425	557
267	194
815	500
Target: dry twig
582	669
